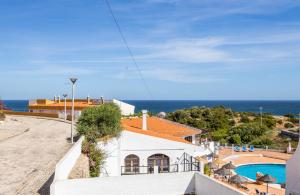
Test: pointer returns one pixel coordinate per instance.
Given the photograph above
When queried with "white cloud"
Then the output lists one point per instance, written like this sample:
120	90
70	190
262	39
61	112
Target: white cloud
54	70
187	51
171	74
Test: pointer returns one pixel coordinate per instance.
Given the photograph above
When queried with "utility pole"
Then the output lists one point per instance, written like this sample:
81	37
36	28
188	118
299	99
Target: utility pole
65	96
73	81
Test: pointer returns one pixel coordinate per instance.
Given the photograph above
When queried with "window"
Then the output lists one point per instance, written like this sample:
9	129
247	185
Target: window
160	160
132	163
189	138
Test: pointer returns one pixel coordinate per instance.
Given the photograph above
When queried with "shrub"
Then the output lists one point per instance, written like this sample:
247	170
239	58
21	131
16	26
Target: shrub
99	121
235	139
207	170
247	132
288	125
280	122
85	148
244	119
2	115
96	160
219	134
263	140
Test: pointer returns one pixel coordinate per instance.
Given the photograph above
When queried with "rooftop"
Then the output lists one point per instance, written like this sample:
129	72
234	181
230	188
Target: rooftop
161	128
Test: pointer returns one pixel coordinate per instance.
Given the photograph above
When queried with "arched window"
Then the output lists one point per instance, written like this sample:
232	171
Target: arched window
132	163
160	160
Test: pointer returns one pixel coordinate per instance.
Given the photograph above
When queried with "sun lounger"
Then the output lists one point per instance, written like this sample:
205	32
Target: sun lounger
244	149
237	149
251	149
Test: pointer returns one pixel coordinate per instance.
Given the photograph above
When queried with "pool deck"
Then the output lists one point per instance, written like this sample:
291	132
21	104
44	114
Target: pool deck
258	156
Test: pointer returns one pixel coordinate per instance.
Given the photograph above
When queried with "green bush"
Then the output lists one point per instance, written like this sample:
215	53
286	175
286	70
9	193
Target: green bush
212	119
247	132
288	125
96	160
207	170
85	147
263	140
280	122
235	139
244	119
2	115
219	134
100	121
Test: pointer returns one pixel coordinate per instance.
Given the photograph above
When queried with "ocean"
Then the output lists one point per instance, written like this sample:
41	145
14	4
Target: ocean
155	106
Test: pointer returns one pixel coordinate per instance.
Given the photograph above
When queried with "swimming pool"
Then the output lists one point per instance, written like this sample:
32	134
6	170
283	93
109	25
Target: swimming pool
275	170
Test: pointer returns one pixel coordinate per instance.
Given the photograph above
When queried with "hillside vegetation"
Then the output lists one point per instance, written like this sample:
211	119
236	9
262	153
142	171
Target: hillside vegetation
231	127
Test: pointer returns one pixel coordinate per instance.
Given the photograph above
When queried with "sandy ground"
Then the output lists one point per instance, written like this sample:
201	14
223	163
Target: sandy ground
29	149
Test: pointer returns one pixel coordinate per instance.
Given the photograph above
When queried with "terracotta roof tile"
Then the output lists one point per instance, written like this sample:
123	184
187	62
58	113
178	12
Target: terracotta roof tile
158	127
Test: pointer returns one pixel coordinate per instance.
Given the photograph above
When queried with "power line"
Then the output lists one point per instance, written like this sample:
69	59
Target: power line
128	48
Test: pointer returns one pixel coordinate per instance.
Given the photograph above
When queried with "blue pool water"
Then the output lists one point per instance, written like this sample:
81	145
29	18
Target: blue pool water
275	170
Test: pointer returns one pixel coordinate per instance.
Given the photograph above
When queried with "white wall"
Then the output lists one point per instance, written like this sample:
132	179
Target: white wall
65	165
126	109
205	185
293	174
143	146
158	184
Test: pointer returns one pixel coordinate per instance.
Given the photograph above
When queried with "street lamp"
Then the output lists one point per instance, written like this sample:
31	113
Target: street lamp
65	96
73	81
260	109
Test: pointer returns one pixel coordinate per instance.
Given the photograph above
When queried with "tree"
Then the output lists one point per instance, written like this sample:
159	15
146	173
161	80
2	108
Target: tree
97	122
235	139
219	134
100	121
248	132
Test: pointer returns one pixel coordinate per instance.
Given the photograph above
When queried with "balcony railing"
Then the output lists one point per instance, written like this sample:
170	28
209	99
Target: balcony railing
135	170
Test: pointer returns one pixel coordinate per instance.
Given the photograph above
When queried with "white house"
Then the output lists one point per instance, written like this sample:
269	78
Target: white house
153	144
151	156
293	174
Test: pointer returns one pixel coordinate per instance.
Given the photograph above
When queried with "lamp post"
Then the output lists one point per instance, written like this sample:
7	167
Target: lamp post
260	109
65	96
73	81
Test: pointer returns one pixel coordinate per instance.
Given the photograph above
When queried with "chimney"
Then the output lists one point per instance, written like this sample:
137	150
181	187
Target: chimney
58	99
54	98
144	112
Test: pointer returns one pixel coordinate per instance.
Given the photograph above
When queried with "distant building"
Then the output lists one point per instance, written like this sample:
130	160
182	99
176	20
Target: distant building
57	105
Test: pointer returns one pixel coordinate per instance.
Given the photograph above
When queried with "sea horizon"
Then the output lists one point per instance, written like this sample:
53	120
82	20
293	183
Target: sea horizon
275	107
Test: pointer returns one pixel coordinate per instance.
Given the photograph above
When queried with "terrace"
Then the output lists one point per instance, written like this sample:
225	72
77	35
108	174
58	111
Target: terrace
258	156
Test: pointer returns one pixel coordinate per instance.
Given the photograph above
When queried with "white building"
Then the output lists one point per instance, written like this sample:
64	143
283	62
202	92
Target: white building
59	106
293	174
153	144
151	156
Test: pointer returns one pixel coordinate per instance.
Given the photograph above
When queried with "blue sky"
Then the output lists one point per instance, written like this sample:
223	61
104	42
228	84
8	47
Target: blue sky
186	49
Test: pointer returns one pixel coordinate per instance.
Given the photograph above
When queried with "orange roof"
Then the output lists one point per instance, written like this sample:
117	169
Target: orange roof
52	105
158	127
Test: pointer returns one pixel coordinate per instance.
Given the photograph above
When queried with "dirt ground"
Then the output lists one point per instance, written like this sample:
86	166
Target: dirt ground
29	149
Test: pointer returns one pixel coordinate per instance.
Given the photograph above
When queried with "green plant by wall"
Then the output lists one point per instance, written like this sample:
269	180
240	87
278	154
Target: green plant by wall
95	123
207	170
2	115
